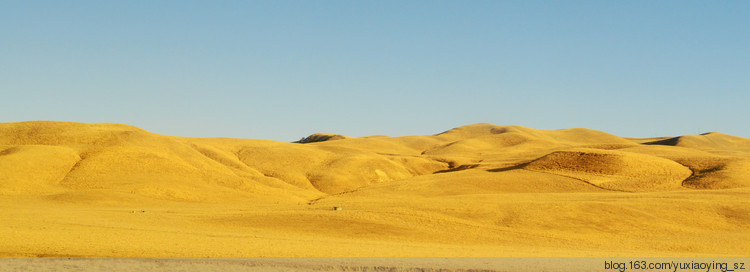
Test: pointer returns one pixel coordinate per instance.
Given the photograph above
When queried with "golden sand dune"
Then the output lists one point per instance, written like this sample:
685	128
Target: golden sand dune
714	142
614	170
477	190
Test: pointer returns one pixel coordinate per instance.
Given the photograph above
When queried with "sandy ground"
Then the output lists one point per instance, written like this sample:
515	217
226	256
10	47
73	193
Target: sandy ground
582	224
372	264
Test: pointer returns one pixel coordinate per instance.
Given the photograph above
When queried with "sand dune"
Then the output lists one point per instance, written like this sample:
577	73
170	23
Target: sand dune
614	170
75	189
714	142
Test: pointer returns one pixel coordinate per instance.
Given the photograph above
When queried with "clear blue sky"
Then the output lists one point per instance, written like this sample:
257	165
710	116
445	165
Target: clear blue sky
281	70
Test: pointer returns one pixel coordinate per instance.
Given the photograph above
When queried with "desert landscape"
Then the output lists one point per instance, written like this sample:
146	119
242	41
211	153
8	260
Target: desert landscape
481	190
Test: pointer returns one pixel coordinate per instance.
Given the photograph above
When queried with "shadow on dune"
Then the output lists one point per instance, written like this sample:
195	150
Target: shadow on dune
515	167
671	141
459	168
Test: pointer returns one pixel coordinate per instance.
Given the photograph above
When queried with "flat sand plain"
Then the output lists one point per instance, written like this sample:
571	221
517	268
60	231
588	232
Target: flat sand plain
482	190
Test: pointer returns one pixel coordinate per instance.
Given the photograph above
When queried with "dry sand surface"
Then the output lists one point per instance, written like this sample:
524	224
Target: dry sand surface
74	189
363	264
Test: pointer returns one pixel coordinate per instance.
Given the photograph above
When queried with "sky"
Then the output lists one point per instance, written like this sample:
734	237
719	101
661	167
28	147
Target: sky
281	70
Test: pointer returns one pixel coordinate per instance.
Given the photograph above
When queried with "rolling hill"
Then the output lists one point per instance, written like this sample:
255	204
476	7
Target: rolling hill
78	189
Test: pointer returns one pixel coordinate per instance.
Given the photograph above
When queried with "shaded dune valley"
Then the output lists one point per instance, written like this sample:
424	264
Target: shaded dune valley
78	189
